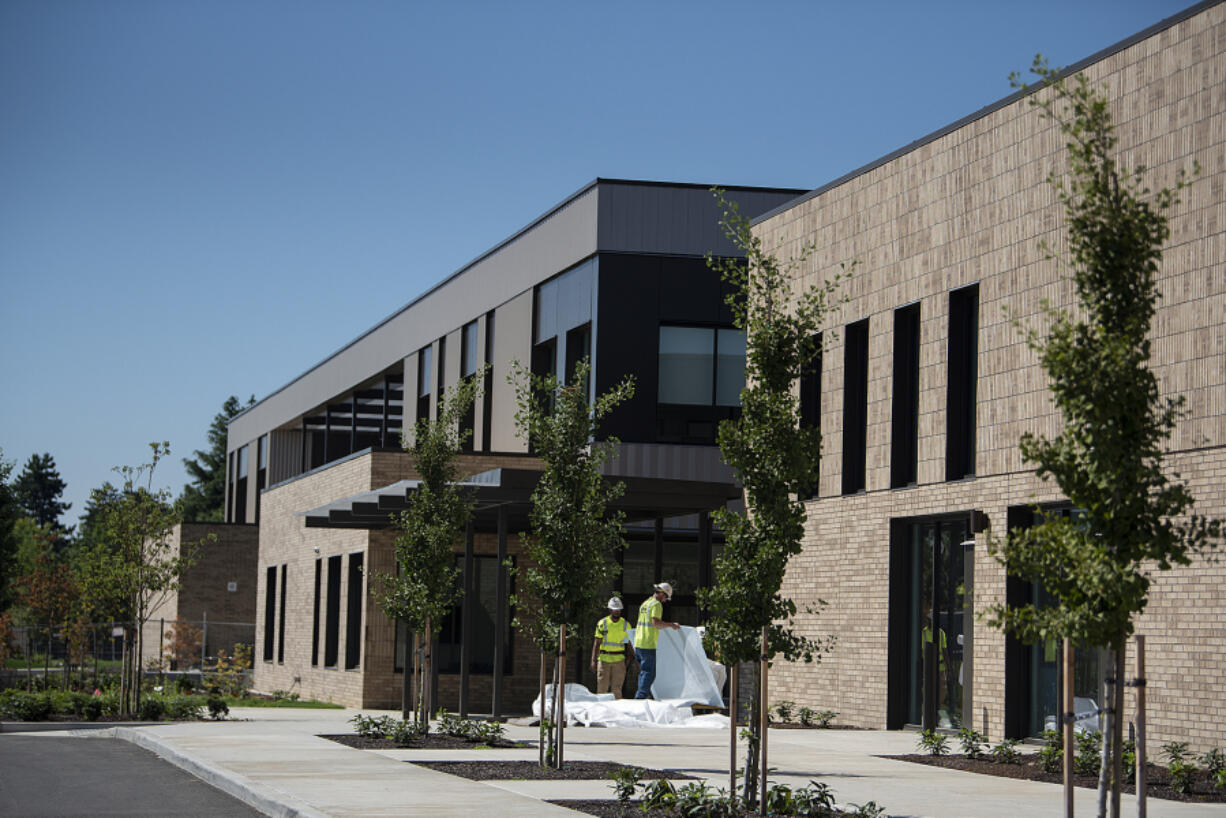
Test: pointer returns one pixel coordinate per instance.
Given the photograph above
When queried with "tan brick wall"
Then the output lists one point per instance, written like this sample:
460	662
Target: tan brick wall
284	539
223	553
972	207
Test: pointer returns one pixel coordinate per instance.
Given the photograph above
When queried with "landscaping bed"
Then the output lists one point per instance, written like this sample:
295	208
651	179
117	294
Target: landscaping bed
1158	779
533	771
429	741
615	809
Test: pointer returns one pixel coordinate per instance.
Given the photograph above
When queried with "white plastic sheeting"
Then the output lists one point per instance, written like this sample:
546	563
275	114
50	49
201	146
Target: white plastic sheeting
602	710
683	679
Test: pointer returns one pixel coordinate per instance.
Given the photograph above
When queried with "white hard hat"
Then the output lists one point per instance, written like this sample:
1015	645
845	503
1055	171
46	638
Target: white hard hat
666	588
615	604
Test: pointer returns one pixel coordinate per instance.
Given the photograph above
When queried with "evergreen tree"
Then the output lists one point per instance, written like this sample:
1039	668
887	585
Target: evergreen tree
39	488
10	510
204	499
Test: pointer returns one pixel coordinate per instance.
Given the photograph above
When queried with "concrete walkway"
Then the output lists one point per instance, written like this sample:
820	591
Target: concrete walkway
273	760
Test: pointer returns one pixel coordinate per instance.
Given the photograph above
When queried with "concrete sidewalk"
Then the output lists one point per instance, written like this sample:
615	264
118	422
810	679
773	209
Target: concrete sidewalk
273	760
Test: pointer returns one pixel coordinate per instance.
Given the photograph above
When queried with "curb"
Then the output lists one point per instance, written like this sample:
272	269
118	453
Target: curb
263	798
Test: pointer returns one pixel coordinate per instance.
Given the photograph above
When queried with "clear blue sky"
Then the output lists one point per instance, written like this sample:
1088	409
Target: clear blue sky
200	199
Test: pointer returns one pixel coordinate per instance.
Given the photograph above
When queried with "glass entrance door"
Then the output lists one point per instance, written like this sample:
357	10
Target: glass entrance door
936	616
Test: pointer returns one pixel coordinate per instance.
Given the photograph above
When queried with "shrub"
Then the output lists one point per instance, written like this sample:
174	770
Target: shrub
1219	779
1051	755
1181	775
805	716
1175	751
825	717
779	800
1089	747
1006	752
694	799
625	782
659	794
151	709
784	711
972	742
933	743
869	810
22	706
183	685
817	799
1128	760
481	732
184	708
218	709
1213	761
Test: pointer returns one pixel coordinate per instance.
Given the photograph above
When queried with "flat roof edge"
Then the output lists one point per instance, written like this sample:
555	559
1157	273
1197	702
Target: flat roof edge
599	180
1068	71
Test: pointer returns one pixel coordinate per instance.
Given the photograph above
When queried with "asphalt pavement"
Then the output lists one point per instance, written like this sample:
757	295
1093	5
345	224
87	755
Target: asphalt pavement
274	760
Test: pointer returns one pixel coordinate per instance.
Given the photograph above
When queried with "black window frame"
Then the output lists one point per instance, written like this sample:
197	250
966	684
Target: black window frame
855	406
904	420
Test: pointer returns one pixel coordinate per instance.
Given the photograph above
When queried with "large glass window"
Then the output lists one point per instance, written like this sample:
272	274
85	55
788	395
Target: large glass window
701	366
485	613
468	350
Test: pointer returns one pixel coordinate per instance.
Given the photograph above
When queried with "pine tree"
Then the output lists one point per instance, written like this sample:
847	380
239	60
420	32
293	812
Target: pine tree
39	488
204	499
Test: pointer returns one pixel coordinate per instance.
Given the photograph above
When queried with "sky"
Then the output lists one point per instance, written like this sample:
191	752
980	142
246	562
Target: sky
204	199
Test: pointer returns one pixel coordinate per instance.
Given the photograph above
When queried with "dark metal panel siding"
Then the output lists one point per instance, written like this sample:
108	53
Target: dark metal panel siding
673	462
679	220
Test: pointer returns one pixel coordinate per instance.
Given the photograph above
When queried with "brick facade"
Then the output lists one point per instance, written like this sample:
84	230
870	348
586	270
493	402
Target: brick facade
971	206
218	588
284	540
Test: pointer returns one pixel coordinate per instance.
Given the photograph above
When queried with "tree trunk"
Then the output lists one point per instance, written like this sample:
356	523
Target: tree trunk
542	730
426	683
560	695
1141	808
1117	740
1066	727
751	747
47	660
732	730
138	671
1107	729
764	712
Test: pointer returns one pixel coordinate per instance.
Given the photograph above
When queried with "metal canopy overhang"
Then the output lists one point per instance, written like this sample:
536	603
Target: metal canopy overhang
644	498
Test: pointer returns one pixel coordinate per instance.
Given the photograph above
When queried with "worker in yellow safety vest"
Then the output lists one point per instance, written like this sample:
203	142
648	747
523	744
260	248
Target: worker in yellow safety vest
610	653
647	635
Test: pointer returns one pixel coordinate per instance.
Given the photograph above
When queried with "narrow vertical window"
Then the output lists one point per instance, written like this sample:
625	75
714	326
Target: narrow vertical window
963	374
441	379
281	624
240	487
468	370
811	404
487	395
425	371
315	614
332	616
904	431
855	406
261	472
270	611
353	618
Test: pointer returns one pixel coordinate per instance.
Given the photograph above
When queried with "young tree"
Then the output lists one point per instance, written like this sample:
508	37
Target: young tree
47	589
204	499
133	564
773	455
431	528
39	488
1108	458
574	537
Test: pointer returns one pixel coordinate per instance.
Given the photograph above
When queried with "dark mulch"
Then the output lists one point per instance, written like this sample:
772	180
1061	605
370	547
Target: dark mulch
614	809
531	770
430	741
1157	780
791	725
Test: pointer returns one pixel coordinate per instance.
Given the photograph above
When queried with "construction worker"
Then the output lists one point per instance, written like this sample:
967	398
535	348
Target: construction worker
609	653
647	635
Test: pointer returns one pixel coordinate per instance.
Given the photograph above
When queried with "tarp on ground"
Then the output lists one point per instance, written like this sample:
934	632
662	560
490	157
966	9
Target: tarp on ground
683	678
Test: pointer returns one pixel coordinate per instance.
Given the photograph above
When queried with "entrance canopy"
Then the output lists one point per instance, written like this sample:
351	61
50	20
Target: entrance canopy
644	498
